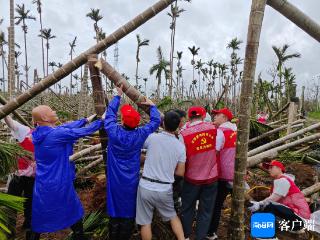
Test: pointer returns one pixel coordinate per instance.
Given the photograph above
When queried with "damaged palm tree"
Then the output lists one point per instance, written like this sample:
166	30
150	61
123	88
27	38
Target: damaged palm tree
236	227
98	99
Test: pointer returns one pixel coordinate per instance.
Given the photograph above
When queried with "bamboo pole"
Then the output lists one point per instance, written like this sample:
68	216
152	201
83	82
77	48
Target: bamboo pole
264	135
282	140
236	226
84	152
72	65
297	17
272	153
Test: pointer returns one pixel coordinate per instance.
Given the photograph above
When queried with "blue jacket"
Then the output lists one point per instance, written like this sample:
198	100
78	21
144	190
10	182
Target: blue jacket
124	150
55	203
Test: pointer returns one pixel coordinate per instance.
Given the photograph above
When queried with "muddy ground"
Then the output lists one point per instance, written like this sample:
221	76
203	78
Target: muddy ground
92	196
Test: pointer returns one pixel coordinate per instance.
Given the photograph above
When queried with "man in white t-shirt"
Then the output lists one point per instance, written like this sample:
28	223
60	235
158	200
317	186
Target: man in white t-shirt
286	201
166	157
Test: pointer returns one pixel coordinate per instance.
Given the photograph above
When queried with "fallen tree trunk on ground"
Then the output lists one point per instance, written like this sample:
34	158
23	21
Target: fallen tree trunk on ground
276	122
272	153
282	140
72	65
85	152
262	136
311	190
89	166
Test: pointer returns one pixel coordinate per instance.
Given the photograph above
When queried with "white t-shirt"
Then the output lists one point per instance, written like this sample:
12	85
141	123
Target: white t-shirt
164	152
281	186
220	136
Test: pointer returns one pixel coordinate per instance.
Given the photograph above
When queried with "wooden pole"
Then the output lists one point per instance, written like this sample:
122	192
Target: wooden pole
84	152
292	114
236	226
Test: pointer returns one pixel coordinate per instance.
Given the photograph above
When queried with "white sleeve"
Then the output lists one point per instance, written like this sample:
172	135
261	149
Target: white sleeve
19	131
183	155
220	140
281	187
146	143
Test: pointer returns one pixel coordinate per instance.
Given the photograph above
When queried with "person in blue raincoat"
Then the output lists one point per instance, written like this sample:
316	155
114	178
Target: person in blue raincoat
55	203
124	149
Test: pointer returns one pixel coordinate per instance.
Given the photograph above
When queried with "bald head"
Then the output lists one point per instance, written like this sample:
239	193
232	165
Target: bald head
44	116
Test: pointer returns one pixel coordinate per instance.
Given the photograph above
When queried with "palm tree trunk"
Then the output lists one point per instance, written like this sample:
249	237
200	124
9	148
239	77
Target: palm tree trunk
99	101
26	55
71	76
83	93
3	73
47	57
67	68
135	95
137	66
236	226
11	57
42	46
296	16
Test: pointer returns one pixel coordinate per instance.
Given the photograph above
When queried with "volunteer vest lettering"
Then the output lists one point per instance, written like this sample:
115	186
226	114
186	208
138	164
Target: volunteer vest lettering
201	164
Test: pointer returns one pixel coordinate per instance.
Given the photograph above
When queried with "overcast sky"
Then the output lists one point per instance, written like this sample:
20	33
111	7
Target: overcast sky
208	24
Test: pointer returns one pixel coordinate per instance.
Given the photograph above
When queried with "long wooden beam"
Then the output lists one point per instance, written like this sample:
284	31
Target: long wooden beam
69	67
298	17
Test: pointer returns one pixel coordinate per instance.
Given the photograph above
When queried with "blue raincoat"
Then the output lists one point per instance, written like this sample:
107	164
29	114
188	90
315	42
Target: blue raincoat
124	150
55	204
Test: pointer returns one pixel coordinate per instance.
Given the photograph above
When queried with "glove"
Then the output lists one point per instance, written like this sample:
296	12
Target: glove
255	206
91	118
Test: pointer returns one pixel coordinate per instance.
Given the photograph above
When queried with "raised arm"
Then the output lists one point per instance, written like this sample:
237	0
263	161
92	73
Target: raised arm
111	114
71	134
154	123
18	130
75	124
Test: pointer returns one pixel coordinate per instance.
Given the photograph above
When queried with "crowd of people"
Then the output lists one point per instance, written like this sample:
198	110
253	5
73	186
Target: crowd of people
189	146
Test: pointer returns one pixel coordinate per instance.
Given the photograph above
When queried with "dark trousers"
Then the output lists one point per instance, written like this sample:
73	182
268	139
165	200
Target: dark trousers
206	194
223	191
22	187
284	213
77	229
120	228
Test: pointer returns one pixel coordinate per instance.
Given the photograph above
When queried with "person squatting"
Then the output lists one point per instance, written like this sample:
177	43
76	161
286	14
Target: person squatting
188	150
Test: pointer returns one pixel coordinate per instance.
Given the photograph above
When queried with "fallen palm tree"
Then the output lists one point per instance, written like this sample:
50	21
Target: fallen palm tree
89	166
85	152
311	190
272	153
276	130
282	140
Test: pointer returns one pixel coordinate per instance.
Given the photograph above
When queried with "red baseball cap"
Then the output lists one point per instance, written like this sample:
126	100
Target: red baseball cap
274	163
130	116
224	111
196	111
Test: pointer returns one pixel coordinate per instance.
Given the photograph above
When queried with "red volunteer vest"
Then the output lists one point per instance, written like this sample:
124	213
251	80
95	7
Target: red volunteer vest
26	144
201	164
295	200
227	155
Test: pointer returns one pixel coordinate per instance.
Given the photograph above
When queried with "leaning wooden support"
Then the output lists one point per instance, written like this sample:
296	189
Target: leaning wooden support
85	152
280	111
272	153
283	139
276	130
297	16
69	67
236	226
3	101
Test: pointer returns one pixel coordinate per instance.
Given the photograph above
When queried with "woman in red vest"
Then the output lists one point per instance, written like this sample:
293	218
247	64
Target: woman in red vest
286	201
